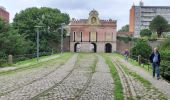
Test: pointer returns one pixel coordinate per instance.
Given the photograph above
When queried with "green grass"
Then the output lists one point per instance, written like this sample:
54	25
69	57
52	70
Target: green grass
33	60
135	63
118	89
93	67
32	64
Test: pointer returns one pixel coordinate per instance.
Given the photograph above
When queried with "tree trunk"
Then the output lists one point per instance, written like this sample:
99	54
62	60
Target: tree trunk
159	34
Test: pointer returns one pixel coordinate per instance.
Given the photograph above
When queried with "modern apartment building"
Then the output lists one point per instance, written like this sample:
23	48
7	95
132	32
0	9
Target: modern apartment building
4	14
141	16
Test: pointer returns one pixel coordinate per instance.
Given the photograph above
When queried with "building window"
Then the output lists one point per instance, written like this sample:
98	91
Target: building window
89	36
81	33
96	36
74	35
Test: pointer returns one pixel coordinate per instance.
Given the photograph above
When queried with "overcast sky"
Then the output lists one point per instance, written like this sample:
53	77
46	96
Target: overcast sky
114	9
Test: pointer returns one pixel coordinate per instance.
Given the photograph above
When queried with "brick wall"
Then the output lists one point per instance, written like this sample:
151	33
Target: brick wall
4	14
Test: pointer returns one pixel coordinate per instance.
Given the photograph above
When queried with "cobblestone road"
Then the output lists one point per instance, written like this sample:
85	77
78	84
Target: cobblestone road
30	90
101	86
12	82
84	77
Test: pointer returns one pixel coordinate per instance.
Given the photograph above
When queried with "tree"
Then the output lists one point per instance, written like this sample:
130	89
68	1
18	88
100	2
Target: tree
124	28
159	24
49	18
164	50
11	42
142	48
145	32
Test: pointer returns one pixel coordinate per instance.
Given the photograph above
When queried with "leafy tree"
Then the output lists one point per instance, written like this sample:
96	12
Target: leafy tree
145	32
142	48
164	50
159	24
124	28
11	42
50	20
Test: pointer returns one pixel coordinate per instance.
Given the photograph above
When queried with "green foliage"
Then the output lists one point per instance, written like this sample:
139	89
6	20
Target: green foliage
125	39
124	28
164	50
153	37
159	24
142	48
145	32
50	20
11	42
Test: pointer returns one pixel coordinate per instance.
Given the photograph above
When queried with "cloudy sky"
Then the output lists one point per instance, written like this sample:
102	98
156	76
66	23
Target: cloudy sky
114	9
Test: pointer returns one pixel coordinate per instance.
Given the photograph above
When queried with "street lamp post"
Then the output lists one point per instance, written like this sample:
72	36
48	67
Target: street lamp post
62	25
38	40
38	45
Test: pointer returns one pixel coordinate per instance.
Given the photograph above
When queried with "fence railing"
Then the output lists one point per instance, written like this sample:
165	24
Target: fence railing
146	62
17	58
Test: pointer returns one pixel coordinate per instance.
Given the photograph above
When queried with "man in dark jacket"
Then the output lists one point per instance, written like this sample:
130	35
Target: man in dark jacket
155	60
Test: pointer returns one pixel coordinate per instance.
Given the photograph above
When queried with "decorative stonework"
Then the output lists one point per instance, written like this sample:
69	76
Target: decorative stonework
93	34
93	18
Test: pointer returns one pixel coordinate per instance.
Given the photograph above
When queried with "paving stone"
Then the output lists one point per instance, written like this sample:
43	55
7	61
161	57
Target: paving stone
39	86
101	86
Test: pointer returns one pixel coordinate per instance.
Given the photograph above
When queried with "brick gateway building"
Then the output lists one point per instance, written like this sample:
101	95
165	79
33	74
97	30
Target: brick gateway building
93	34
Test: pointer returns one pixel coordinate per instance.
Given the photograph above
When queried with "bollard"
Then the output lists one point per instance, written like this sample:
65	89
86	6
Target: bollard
139	59
10	59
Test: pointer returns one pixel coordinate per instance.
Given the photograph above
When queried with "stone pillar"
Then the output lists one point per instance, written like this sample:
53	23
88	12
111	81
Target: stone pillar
10	59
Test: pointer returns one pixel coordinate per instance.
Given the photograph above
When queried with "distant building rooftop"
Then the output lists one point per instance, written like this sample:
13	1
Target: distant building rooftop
3	8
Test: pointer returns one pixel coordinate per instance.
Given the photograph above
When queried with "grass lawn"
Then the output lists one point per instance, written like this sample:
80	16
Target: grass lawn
135	63
43	61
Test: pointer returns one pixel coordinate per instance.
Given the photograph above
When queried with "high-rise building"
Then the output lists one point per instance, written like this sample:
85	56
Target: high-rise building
141	16
4	14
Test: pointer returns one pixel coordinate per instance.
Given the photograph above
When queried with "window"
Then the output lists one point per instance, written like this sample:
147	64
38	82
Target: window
81	33
74	34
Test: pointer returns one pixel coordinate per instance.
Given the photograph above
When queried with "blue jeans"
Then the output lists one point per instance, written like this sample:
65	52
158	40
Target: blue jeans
126	58
155	67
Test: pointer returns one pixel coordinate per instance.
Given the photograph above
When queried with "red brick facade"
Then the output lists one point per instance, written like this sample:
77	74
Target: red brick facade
93	33
4	14
132	19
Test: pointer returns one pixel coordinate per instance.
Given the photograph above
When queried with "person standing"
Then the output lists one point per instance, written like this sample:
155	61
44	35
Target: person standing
126	54
155	60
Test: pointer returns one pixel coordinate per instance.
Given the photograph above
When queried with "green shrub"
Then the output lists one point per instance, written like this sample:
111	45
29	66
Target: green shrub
153	36
125	39
164	50
145	32
142	48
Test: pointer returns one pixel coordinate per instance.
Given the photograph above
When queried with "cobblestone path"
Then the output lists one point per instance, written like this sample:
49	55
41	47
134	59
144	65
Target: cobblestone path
9	83
82	77
101	86
133	87
39	84
77	81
